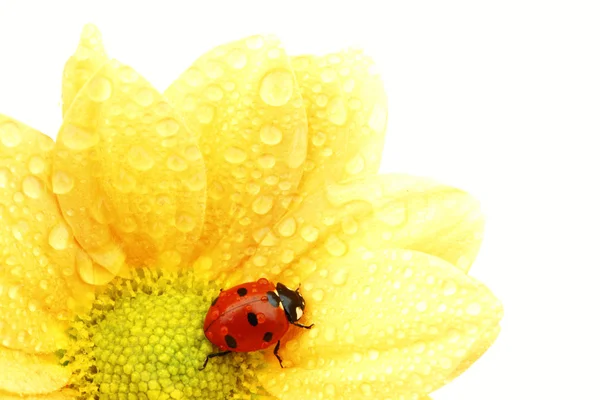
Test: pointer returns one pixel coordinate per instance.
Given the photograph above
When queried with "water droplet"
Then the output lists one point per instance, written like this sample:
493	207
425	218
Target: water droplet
335	246
176	163
319	139
185	222
277	87
139	158
10	134
266	161
36	165
270	134
167	127
309	233
78	139
473	309
235	155
214	93
237	59
287	227
128	74
61	182
421	306
349	225
378	118
4	177
205	113
262	205
328	75
336	111
59	237
355	165
99	88
449	288
339	277
193	153
299	147
144	97
32	187
213	70
255	42
318	294
287	256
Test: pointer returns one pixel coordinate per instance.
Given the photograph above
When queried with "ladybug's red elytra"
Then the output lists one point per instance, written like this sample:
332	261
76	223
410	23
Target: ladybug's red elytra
252	316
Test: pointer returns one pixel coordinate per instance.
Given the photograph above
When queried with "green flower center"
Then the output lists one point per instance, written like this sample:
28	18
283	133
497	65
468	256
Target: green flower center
143	339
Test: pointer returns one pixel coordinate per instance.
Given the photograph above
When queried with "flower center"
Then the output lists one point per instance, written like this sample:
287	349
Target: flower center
143	339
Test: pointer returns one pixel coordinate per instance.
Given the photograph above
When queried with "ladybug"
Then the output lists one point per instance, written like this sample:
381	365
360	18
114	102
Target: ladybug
252	316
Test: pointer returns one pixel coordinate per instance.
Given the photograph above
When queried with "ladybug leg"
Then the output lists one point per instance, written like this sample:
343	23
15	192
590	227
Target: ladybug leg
208	357
303	326
276	353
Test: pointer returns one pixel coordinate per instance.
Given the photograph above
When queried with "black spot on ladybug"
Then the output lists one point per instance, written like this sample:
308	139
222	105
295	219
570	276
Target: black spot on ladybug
252	319
273	299
230	341
242	292
268	336
215	301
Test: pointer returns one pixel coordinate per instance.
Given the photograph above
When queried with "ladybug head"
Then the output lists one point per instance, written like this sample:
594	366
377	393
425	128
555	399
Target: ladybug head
292	301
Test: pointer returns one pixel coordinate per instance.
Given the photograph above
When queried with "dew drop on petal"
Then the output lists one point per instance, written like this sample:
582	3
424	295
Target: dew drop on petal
262	205
176	163
59	237
473	309
270	134
61	182
336	111
167	127
235	155
10	135
237	59
139	158
78	139
449	288
185	222
277	88
309	233
32	187
287	227
99	88
36	165
205	113
266	161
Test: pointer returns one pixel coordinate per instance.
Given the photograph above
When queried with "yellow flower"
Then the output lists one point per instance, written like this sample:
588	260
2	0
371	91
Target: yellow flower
114	239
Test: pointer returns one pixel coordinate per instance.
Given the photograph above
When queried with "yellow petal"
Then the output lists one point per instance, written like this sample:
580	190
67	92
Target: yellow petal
129	175
388	322
80	67
244	102
347	116
31	374
397	210
63	394
39	288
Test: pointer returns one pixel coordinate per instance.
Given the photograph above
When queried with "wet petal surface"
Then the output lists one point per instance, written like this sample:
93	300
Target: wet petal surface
347	116
80	67
243	101
389	323
39	286
397	210
24	373
129	175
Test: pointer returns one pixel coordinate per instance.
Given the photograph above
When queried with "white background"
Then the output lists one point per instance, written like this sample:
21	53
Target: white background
499	98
